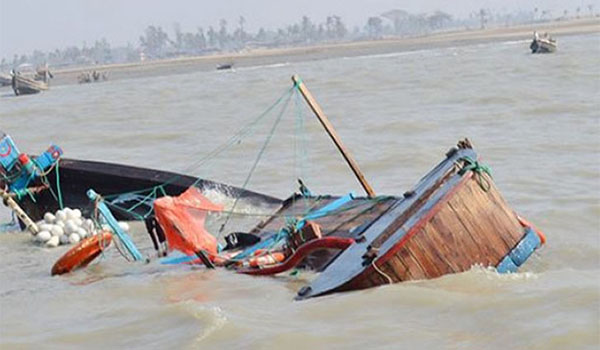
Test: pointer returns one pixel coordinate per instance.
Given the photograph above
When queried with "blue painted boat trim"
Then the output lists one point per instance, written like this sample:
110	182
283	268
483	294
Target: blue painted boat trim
323	211
520	253
506	265
114	225
176	260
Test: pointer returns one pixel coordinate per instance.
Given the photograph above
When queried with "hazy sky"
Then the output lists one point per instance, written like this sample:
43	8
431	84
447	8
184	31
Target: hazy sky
26	25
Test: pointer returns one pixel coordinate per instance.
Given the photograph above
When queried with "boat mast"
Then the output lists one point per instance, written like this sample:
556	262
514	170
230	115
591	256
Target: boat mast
314	106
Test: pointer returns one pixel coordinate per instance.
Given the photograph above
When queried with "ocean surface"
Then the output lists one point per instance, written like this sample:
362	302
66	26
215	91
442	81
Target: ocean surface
534	119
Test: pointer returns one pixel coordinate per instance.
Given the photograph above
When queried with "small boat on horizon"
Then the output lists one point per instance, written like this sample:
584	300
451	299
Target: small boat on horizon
225	66
542	44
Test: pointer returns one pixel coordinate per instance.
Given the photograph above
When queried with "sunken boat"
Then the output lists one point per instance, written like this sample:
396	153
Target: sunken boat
542	44
454	218
48	182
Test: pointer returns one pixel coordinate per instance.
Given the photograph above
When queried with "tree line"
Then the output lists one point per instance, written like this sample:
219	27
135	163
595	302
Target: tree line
156	43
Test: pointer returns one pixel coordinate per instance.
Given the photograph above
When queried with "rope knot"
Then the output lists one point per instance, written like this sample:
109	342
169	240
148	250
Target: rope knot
479	169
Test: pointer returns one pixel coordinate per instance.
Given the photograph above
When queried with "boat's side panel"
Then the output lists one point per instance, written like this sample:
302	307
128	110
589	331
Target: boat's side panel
471	226
77	176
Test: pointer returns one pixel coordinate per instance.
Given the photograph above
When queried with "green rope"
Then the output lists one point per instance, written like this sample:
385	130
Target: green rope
479	169
238	136
258	158
20	194
60	199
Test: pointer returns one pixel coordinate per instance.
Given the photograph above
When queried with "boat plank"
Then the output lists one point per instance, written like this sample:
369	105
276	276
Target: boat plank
478	220
464	247
431	242
428	262
495	214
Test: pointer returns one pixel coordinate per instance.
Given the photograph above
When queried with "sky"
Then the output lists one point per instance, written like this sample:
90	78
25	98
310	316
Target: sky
26	25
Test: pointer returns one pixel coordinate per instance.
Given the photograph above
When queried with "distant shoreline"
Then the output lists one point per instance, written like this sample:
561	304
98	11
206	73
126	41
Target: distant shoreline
346	49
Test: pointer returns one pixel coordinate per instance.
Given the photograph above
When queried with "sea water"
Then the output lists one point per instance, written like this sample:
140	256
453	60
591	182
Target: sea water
535	119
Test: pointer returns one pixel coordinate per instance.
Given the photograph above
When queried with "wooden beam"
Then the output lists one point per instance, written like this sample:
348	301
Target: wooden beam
314	106
10	203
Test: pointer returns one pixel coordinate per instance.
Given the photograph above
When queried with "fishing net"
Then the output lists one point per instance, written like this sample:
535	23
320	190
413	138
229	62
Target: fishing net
182	220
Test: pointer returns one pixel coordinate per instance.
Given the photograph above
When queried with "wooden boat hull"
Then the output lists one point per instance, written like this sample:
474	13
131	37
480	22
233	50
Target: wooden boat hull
452	220
25	86
77	176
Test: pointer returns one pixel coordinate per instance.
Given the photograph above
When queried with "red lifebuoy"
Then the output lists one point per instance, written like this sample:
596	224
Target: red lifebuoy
83	253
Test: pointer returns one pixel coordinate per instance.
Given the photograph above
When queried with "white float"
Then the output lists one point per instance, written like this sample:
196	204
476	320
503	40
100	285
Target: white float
66	226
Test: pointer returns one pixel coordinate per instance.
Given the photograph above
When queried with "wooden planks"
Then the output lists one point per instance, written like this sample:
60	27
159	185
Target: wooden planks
470	226
347	221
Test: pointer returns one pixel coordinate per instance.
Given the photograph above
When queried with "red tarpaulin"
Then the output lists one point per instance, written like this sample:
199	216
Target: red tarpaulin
182	220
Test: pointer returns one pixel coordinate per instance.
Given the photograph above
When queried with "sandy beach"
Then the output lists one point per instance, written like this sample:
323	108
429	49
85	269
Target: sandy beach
347	49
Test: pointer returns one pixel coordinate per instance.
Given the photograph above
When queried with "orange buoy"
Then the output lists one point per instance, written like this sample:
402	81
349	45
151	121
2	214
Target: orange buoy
262	260
267	259
83	253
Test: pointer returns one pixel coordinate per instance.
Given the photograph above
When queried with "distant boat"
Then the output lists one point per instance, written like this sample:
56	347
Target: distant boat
92	77
25	80
25	86
5	79
225	66
543	44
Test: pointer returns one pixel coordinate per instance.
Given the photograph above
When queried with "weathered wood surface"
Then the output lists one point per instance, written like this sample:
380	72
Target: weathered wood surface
393	224
347	221
471	227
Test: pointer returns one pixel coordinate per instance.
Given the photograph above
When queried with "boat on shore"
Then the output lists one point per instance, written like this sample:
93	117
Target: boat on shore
542	44
453	219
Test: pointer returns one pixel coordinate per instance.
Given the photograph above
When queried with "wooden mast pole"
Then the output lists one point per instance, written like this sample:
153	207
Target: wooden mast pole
314	106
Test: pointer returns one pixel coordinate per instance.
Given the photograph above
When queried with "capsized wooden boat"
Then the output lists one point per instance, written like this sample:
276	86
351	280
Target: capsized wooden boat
453	219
